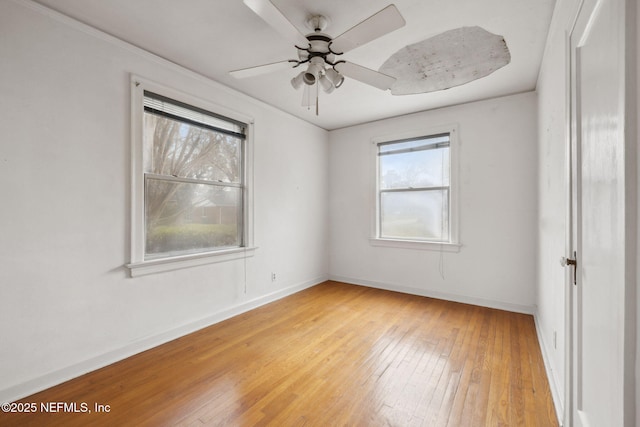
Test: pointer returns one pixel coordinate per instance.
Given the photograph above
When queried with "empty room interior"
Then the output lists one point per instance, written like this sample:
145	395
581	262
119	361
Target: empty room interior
296	212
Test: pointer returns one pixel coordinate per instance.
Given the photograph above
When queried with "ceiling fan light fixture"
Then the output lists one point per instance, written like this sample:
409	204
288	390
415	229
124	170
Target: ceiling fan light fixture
335	77
326	83
309	78
296	82
314	71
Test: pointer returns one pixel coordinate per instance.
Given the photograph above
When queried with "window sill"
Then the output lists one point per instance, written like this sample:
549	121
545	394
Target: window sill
416	244
168	264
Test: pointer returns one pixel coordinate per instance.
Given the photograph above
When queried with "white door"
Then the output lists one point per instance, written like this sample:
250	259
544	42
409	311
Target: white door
598	146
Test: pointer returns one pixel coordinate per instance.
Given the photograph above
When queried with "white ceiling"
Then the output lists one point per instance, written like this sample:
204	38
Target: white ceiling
213	37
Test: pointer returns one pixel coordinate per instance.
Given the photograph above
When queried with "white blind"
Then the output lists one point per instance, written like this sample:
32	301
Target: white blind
164	106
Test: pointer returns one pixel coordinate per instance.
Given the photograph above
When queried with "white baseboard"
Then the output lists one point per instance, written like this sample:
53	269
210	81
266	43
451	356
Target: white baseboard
500	305
558	400
51	379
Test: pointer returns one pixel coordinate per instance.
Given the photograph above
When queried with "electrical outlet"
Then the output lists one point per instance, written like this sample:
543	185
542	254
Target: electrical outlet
273	277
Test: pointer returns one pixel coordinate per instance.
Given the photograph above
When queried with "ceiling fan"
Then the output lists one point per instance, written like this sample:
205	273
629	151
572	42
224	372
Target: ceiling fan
321	54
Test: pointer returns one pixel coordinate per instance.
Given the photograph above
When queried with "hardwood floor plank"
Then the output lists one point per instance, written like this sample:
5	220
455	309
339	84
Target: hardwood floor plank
335	354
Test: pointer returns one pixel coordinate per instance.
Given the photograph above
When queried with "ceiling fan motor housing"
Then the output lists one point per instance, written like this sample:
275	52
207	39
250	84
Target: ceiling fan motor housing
318	54
318	47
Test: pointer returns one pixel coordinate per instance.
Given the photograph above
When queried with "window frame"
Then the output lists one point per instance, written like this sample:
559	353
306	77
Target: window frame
453	244
138	265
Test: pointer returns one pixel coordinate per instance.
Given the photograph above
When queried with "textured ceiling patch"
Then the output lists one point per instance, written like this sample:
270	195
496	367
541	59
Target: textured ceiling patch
450	59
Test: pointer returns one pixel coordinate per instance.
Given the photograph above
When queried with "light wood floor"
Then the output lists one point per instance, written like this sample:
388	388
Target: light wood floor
334	354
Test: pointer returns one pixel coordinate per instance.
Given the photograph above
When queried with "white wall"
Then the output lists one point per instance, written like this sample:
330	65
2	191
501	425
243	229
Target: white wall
498	162
66	303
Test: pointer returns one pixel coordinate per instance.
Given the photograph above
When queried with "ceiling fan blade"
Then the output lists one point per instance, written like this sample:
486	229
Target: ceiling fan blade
260	69
277	20
377	25
365	75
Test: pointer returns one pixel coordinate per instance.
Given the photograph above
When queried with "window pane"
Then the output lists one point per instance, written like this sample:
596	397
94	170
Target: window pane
427	168
422	215
184	218
178	149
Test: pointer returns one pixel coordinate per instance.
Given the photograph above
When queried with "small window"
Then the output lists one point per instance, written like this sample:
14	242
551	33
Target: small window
189	183
414	189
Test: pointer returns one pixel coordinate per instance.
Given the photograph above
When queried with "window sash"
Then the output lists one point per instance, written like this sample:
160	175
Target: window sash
192	180
240	234
405	189
446	231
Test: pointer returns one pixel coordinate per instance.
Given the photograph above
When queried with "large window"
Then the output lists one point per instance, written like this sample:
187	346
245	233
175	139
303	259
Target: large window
193	179
414	200
190	182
